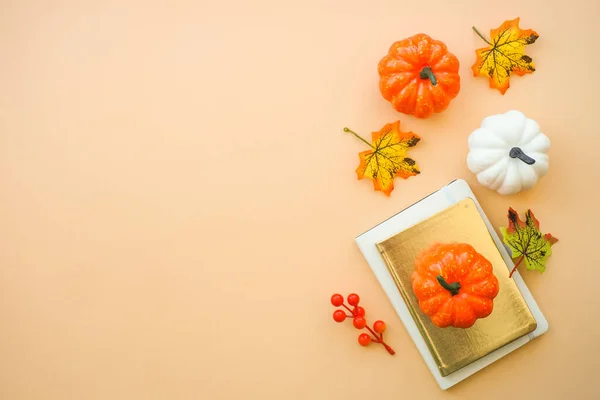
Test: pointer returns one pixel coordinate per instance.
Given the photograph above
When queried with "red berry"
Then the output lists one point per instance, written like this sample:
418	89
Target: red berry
353	299
359	322
337	300
359	311
364	339
379	326
339	316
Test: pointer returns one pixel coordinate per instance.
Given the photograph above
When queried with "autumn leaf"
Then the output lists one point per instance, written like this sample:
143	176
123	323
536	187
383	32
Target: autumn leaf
527	242
505	54
386	158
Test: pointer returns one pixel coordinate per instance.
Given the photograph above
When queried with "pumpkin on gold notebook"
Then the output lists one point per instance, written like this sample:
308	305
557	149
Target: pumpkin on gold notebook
451	215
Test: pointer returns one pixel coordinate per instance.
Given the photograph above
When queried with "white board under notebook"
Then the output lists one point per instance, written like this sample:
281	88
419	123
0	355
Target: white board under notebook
425	208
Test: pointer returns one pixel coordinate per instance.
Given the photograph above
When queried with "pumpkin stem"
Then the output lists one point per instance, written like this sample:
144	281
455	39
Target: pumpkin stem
358	136
516	152
426	73
453	288
481	36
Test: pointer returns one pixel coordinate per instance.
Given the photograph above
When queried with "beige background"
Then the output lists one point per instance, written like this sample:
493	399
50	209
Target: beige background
178	200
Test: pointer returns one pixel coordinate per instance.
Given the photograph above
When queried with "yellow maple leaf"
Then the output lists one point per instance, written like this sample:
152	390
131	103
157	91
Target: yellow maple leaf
525	240
505	54
387	157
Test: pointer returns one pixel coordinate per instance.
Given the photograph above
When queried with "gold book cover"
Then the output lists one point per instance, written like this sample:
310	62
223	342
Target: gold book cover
453	348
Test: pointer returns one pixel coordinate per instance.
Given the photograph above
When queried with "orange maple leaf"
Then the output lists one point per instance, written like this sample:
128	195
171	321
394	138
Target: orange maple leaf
505	54
387	157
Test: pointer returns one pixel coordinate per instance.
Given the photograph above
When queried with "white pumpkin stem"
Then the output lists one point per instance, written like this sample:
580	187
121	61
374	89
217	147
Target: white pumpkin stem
516	152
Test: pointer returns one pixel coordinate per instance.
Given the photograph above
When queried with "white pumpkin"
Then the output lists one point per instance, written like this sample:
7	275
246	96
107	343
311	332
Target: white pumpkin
508	152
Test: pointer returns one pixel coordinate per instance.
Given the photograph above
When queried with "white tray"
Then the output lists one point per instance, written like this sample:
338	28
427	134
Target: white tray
430	205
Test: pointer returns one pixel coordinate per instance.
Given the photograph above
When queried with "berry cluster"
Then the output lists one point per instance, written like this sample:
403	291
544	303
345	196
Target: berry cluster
357	313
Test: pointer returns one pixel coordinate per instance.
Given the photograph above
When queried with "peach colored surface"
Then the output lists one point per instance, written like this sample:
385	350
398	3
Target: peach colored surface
178	199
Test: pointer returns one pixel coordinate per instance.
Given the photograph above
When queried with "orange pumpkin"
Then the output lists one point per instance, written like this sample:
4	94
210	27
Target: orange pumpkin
454	284
419	76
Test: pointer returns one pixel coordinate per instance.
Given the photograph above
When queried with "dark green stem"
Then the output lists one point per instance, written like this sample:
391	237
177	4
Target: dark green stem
453	288
481	36
426	73
516	152
358	136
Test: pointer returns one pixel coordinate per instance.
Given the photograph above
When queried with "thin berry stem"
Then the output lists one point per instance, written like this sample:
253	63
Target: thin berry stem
372	332
516	265
358	136
349	309
388	348
481	36
380	340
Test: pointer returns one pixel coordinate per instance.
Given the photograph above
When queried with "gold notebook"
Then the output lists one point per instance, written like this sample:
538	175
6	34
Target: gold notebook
453	348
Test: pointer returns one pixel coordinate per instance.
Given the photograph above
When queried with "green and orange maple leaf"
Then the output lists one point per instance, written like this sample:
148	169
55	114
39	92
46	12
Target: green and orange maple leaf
387	157
505	54
527	242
